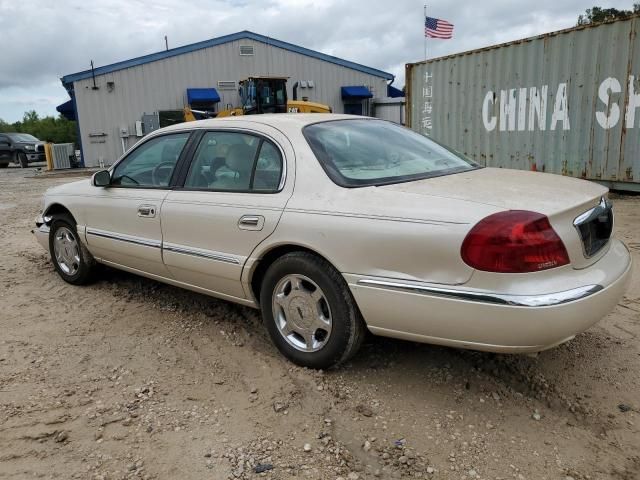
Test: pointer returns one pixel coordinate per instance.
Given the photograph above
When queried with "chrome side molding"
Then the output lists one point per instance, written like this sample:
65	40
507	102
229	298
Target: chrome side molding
147	242
544	300
197	252
170	247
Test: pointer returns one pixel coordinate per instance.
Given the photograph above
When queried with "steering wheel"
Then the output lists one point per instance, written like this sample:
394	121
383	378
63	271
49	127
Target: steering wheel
155	173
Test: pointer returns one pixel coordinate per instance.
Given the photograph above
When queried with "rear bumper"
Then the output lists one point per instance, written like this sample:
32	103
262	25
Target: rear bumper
508	322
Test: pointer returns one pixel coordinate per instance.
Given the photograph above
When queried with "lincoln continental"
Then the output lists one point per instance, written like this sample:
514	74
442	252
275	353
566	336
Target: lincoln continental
335	226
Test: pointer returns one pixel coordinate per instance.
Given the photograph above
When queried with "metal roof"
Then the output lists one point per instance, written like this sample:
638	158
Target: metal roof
68	80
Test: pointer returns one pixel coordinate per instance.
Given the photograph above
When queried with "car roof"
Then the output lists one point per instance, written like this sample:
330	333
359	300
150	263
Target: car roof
277	120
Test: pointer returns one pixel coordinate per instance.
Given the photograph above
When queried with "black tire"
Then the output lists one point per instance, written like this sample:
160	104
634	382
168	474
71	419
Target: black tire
22	160
4	165
86	265
348	328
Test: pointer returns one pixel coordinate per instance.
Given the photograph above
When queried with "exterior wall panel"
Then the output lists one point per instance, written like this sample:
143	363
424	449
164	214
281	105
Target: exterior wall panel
390	109
566	103
162	84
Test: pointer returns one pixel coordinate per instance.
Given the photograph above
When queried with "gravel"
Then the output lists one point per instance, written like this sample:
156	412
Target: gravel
131	379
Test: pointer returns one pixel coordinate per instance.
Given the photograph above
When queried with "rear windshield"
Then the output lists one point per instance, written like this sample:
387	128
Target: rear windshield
358	153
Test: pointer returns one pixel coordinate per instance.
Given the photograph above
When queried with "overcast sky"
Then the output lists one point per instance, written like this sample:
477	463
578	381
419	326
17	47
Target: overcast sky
42	40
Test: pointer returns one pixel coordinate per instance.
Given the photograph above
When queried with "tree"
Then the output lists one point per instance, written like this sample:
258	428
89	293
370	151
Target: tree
598	14
49	129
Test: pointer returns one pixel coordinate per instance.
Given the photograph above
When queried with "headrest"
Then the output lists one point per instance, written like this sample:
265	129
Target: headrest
240	158
169	153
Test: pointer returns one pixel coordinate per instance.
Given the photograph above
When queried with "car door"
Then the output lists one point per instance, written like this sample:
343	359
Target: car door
5	149
233	196
123	219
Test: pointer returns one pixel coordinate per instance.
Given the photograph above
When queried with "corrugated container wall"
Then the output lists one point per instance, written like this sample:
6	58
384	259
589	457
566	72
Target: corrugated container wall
162	84
566	102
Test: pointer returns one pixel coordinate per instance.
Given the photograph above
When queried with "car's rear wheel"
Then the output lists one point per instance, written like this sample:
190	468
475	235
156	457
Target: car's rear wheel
4	165
22	160
71	259
309	311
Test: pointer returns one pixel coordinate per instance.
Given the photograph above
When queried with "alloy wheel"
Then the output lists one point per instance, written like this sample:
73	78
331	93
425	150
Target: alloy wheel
66	251
302	313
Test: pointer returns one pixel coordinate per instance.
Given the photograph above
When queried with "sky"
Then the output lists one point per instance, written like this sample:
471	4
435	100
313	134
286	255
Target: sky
43	40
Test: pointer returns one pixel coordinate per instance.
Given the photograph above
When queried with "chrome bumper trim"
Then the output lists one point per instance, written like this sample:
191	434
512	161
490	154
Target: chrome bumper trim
544	300
197	252
146	242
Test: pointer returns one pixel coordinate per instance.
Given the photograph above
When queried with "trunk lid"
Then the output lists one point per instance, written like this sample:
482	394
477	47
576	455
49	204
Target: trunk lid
561	199
509	189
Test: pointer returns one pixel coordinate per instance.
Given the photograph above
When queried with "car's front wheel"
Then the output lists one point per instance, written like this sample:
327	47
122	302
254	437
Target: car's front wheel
71	259
22	160
309	311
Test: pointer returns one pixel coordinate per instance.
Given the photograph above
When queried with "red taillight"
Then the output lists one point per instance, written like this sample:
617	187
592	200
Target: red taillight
516	241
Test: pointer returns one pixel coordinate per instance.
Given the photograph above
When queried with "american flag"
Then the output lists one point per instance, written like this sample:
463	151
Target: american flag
436	28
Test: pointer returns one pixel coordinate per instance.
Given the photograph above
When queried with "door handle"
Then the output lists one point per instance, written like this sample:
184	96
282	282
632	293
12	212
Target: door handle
148	211
251	222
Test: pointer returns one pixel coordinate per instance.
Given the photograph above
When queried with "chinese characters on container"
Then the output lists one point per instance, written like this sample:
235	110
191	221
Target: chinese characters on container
427	105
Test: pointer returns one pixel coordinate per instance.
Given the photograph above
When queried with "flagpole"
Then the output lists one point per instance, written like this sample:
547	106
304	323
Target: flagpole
424	31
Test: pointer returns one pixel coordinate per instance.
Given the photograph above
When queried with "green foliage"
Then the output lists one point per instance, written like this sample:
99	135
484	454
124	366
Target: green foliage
599	14
49	129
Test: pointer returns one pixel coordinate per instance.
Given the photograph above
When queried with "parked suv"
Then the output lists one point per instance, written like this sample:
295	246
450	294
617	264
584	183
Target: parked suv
20	148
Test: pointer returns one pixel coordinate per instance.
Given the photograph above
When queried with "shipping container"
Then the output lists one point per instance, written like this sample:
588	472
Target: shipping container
566	102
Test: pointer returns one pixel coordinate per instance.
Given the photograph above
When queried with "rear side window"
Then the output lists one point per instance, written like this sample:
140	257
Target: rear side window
235	162
268	168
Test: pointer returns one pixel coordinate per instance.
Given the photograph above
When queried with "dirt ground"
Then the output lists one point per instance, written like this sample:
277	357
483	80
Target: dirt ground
129	378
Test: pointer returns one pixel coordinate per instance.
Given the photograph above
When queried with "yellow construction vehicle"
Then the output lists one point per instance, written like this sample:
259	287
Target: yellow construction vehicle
262	95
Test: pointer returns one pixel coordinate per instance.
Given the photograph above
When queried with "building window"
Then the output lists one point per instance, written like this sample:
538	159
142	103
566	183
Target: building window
246	49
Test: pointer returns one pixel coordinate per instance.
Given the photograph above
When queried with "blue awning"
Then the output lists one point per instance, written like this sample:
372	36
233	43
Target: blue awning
202	95
357	92
67	110
394	92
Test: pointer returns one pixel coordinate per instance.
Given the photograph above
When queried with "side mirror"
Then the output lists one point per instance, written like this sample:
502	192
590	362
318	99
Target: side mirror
101	179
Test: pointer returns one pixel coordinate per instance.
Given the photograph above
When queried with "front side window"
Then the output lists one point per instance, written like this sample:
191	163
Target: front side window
152	164
232	161
357	153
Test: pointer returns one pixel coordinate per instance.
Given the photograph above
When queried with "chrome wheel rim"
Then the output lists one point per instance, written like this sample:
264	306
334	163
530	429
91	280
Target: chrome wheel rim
66	251
302	313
